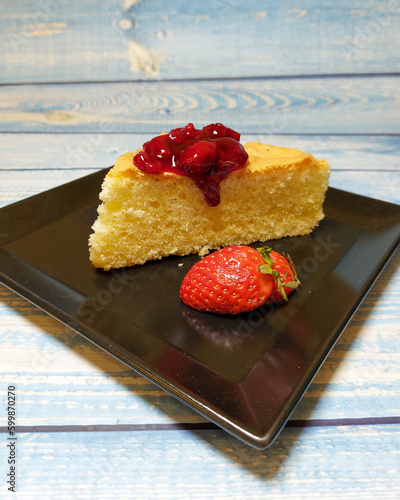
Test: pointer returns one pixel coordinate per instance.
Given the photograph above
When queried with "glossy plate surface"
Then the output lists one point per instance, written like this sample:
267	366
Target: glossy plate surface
245	373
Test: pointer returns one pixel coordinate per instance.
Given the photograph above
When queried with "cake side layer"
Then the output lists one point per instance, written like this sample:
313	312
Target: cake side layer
279	193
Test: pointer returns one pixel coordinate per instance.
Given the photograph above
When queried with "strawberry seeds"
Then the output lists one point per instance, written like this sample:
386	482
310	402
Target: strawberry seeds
238	279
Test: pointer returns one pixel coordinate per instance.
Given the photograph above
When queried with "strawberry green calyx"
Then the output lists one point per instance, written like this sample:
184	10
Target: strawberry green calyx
289	259
279	277
265	253
269	263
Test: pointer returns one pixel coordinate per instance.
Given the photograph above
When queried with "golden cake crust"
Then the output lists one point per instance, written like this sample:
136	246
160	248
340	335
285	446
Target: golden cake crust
262	157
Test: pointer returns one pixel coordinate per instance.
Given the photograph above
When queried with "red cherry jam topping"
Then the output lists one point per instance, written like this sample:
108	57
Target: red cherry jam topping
205	156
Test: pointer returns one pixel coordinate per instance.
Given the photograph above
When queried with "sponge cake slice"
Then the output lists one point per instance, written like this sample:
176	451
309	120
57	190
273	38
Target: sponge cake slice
144	216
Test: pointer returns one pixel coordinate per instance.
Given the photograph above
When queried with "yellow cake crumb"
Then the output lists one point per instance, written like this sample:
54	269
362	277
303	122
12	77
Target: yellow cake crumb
143	216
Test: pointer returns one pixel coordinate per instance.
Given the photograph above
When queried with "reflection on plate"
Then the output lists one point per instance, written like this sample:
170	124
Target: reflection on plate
245	373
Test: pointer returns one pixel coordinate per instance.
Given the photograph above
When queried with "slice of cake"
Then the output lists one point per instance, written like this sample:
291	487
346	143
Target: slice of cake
169	200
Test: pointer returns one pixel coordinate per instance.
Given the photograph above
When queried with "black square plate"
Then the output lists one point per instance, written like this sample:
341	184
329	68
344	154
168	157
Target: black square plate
245	373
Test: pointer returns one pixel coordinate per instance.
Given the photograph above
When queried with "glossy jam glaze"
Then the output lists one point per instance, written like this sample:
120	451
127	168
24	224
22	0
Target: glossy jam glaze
205	156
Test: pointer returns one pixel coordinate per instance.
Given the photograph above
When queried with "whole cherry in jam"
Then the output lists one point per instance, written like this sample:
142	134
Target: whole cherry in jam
199	157
205	156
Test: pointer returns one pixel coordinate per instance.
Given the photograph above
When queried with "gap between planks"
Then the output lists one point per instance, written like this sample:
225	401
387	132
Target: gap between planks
340	422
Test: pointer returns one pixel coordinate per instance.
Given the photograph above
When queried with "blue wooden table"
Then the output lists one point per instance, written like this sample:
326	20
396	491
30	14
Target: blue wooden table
85	81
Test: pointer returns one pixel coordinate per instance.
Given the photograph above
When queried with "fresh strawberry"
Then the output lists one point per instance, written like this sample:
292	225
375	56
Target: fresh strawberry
282	269
228	282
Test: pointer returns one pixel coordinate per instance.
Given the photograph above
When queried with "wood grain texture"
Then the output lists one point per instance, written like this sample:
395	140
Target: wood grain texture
85	81
336	105
334	462
72	40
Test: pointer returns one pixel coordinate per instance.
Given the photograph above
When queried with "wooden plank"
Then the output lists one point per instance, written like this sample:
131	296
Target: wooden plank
94	151
16	186
334	462
380	184
334	105
276	72
72	40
